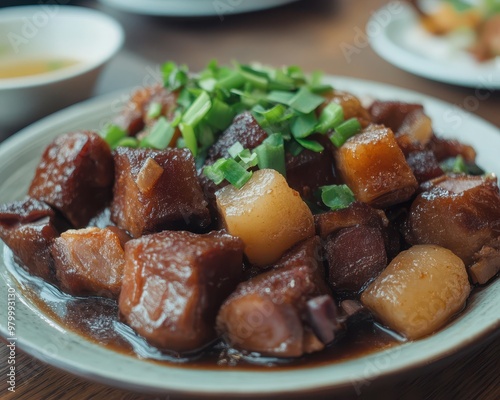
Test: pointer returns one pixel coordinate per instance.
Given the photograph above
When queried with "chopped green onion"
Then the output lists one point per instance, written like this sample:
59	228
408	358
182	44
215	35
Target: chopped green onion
154	110
112	134
278	96
344	131
160	135
312	145
337	197
234	173
271	116
189	137
293	147
208	84
304	125
235	149
234	80
214	172
331	117
200	107
454	165
174	77
271	153
305	101
247	159
256	79
220	115
128	142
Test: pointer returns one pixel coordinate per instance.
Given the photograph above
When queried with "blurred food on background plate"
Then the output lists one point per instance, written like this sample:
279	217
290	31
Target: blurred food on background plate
473	25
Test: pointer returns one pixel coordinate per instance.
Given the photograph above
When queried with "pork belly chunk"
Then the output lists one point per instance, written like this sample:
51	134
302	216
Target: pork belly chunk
374	167
134	116
28	227
89	262
393	114
156	190
309	170
244	129
458	212
75	176
268	313
174	284
350	104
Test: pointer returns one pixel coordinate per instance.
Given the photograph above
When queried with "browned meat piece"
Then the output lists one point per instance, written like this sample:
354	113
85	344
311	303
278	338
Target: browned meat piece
486	263
417	126
392	113
309	170
446	148
244	129
174	284
409	145
460	213
356	214
355	256
157	190
209	188
75	176
424	165
28	228
134	116
323	317
350	104
89	262
267	314
374	167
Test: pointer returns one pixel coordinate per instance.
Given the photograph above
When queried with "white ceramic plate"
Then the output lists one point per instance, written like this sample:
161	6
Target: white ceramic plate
396	35
193	8
48	341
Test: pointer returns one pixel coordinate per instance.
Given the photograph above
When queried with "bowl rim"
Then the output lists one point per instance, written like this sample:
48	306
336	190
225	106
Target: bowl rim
20	12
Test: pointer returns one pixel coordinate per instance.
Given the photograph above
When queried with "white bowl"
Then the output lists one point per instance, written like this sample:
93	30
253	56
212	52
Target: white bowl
52	32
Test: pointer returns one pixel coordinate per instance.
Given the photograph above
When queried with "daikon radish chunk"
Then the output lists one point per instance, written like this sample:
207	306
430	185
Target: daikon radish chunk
266	214
420	290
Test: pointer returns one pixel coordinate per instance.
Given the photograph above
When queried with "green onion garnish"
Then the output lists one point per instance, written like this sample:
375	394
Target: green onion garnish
271	153
154	110
312	145
305	101
455	165
160	135
229	169
128	142
197	110
337	197
304	125
112	134
344	131
331	117
189	137
220	115
278	96
174	77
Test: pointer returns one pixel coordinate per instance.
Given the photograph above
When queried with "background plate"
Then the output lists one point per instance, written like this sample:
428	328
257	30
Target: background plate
44	339
193	8
396	36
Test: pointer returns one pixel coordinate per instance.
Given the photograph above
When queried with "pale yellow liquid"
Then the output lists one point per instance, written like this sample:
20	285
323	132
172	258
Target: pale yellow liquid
17	69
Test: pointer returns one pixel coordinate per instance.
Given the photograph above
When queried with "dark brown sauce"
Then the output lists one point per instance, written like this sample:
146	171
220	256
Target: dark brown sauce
97	320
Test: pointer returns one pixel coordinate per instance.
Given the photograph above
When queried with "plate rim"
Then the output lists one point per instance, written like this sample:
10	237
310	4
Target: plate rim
62	116
407	60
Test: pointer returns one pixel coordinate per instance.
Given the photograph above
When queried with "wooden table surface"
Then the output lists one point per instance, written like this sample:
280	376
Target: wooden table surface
315	35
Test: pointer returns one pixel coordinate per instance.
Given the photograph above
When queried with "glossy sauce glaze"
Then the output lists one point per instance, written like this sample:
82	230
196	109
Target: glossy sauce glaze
97	320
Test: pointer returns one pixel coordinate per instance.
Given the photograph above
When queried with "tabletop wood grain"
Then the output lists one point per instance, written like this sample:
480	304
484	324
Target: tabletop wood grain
315	35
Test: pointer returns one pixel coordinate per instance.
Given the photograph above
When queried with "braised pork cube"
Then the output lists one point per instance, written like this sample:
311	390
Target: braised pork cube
359	214
135	116
374	167
448	148
157	190
424	165
268	313
350	104
392	113
486	263
355	256
174	284
28	227
309	170
89	262
266	214
75	176
458	212
244	129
